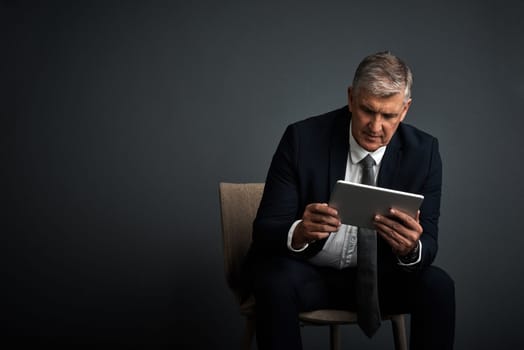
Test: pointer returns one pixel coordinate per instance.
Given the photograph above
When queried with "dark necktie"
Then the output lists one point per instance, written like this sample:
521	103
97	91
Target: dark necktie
367	290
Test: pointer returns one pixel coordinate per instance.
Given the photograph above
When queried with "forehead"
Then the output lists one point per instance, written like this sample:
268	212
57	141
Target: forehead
390	104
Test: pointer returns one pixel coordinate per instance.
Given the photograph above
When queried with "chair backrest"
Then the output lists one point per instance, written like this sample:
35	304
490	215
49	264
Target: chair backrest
238	206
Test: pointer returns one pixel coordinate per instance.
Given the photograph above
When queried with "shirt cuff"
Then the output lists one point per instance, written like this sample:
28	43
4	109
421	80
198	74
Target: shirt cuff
411	263
290	238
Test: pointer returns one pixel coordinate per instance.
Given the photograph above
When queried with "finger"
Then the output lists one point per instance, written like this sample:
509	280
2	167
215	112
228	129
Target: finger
384	220
405	218
314	227
401	244
307	232
388	237
411	233
322	208
322	226
401	215
325	219
390	224
392	235
398	246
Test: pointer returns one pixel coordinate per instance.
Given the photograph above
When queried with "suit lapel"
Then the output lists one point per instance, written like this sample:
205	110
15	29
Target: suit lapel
390	163
339	148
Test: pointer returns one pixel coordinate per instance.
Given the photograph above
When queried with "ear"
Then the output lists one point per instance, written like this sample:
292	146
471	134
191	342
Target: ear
350	98
406	108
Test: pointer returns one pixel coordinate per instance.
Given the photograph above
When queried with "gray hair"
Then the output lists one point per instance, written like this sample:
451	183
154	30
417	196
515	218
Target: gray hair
383	74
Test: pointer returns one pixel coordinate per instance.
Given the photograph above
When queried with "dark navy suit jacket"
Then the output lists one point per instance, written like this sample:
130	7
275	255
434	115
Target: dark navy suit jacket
312	156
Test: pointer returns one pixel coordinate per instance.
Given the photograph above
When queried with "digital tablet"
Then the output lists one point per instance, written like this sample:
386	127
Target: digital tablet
357	204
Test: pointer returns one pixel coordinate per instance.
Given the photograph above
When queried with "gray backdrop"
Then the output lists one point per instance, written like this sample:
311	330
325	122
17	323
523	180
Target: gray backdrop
123	117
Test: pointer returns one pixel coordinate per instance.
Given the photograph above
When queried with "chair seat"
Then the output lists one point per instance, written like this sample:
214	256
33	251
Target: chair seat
328	317
247	309
323	316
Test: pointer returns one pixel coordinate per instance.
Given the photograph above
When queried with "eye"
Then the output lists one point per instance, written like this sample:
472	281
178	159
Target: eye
366	110
389	116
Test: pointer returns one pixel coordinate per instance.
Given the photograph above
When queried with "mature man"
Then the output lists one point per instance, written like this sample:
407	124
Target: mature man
305	259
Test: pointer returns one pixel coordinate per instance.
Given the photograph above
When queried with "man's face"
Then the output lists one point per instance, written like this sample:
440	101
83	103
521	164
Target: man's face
375	119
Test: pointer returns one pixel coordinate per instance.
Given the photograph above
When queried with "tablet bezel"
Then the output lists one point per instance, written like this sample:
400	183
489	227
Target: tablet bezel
357	204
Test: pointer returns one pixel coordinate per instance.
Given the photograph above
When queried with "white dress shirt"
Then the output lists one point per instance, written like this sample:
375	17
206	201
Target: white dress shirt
340	249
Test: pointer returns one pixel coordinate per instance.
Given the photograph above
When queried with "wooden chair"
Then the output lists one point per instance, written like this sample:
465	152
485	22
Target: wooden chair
239	204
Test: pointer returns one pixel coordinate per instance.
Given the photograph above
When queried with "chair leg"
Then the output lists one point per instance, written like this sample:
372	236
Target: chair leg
249	333
334	337
399	332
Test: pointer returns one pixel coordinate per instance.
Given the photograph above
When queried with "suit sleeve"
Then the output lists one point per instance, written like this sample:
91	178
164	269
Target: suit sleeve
279	206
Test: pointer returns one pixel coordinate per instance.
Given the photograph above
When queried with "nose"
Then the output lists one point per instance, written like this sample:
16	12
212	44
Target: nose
375	124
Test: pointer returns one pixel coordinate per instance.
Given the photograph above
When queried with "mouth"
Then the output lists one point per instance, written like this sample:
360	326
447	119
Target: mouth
373	137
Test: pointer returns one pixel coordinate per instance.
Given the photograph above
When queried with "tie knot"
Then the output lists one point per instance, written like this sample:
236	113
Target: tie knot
368	161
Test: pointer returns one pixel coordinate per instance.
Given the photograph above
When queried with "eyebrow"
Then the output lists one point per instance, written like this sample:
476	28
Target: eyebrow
370	109
366	107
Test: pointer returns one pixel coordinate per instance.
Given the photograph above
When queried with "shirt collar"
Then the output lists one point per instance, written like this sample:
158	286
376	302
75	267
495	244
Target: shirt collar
358	153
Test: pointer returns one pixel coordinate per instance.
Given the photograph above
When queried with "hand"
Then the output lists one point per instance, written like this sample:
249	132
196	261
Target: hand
318	221
400	230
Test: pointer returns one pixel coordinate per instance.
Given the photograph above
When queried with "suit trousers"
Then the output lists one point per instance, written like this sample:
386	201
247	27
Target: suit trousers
285	286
